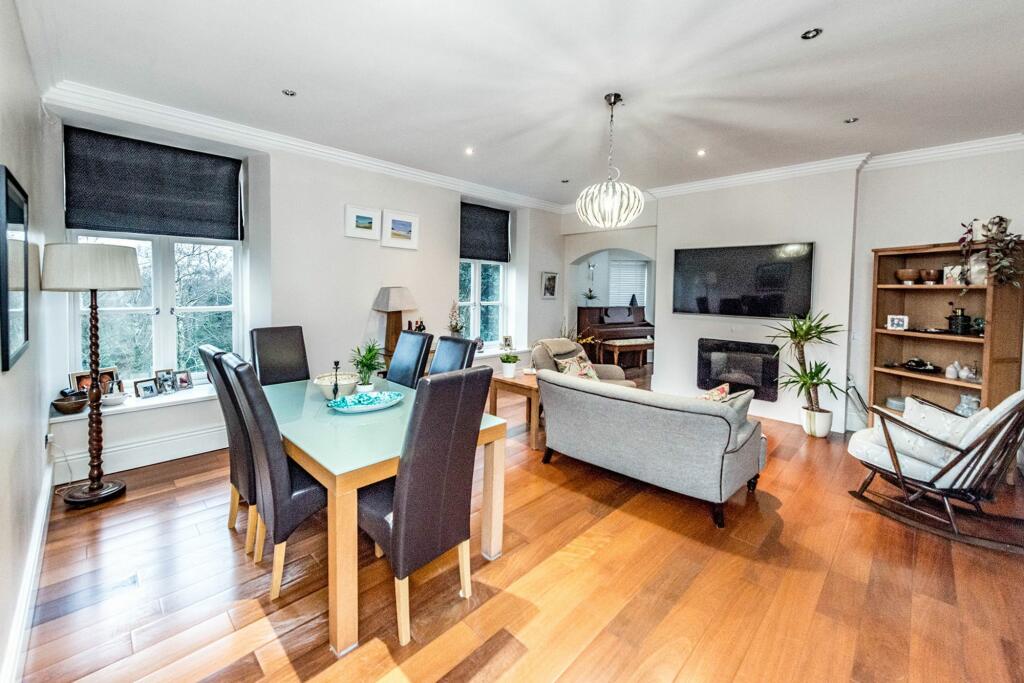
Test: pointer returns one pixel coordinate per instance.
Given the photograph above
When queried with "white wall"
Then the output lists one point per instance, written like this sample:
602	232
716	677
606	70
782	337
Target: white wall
815	208
923	204
546	250
23	465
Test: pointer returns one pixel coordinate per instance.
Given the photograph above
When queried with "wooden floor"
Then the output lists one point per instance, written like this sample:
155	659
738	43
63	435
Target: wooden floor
602	579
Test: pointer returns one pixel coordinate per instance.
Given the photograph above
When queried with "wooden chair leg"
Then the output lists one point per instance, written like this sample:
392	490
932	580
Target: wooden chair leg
402	607
233	507
378	551
250	529
548	452
467	584
261	540
718	514
278	572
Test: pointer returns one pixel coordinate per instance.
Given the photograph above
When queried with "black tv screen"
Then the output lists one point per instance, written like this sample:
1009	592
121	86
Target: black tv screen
767	281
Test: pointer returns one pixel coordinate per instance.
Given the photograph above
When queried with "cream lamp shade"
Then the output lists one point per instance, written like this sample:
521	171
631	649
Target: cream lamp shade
391	299
76	267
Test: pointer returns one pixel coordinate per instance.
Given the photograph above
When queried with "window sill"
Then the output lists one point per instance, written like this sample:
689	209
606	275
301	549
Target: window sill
494	353
134	404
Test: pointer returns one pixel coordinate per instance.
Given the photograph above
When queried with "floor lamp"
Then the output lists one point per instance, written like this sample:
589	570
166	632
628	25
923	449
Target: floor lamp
78	267
393	300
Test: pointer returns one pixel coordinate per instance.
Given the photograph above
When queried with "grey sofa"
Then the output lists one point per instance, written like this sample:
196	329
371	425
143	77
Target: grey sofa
543	359
702	449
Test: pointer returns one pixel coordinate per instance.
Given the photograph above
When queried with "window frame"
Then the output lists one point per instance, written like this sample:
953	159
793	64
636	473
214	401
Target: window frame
475	303
164	308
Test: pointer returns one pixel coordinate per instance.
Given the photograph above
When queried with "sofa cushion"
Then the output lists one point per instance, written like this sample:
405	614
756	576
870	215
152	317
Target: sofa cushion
865	447
718	394
933	421
740	402
559	346
577	366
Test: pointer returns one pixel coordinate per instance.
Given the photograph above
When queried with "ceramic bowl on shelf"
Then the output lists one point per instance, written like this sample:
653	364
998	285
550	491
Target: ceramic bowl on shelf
69	405
930	276
115	399
346	383
907	276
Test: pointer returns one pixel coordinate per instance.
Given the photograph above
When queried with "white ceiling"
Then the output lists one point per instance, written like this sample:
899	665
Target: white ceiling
416	81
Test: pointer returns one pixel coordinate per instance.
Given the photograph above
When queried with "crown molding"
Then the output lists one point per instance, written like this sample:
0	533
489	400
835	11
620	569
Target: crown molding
1003	143
69	96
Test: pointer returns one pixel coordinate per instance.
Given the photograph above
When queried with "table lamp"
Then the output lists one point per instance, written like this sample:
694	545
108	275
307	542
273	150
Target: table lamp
77	267
393	300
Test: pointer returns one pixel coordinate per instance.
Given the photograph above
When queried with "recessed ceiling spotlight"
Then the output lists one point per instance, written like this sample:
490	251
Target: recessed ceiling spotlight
702	152
287	92
469	151
811	34
852	119
565	180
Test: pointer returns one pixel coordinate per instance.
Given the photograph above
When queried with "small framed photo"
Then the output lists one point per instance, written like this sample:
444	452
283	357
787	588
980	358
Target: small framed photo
548	285
165	381
400	230
183	380
362	223
897	322
146	388
80	381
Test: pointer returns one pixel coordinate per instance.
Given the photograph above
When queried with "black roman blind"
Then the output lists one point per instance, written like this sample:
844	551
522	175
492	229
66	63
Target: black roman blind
484	233
123	185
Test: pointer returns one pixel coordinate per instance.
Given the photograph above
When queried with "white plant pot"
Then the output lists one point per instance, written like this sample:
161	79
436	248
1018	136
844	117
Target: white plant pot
363	388
816	424
508	370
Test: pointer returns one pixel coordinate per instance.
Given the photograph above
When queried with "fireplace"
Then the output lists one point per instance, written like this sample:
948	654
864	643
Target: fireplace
742	364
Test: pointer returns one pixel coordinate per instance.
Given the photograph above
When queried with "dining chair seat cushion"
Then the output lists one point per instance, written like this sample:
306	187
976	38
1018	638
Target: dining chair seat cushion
376	512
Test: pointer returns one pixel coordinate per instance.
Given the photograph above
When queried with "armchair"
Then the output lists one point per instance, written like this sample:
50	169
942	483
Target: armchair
546	351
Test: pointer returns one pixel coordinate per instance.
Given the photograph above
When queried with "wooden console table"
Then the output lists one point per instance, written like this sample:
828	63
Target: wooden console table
617	346
521	385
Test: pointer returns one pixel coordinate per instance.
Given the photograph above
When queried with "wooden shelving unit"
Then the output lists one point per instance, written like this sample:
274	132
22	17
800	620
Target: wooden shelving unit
997	354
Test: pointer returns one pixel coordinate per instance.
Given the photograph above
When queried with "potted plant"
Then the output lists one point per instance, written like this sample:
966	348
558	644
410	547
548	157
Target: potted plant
455	324
367	360
508	364
799	333
590	295
1001	256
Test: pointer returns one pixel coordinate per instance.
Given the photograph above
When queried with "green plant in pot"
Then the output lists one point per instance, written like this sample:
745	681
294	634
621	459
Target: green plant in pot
367	360
508	364
797	334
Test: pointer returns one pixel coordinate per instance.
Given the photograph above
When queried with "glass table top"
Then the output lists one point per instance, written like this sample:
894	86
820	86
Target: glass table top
344	442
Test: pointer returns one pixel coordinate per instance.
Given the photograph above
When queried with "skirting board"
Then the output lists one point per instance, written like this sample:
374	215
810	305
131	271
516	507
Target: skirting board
21	620
74	466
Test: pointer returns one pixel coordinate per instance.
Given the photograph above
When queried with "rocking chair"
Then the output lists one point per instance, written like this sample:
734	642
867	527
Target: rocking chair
971	476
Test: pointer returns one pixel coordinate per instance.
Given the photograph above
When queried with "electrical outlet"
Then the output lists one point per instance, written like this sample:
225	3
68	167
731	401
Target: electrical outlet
46	439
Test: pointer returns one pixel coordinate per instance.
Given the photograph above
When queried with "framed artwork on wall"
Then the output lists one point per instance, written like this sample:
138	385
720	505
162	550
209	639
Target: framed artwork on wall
14	265
548	285
362	223
400	230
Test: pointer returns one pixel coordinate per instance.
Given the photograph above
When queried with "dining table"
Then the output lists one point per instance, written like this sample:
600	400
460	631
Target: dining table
345	452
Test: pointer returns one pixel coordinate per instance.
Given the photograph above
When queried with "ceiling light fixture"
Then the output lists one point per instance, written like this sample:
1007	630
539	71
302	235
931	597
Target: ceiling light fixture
811	34
288	92
469	151
610	204
702	152
852	119
565	180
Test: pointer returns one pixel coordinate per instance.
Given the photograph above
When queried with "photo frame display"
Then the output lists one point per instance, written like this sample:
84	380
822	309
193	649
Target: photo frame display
146	388
362	223
14	267
897	322
548	285
400	230
80	381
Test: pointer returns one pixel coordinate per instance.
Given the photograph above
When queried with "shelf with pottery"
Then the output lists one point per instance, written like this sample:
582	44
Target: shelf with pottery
996	356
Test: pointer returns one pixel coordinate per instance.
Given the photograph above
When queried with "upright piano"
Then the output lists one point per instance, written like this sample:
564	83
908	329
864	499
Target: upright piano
614	322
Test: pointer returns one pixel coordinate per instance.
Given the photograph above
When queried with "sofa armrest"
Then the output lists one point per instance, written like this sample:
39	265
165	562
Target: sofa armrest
607	371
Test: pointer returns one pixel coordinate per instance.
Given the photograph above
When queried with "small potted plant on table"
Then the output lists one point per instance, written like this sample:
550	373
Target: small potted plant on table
508	364
367	360
799	333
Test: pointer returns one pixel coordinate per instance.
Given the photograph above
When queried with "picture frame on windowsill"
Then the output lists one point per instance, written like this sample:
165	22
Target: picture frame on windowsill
147	388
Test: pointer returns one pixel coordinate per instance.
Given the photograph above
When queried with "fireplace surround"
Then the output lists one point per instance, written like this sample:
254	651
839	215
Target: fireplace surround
743	365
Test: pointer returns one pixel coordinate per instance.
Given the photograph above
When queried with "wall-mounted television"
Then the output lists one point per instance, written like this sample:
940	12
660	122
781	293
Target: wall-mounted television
766	281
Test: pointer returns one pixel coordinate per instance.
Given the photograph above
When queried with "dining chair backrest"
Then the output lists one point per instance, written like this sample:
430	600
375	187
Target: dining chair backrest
409	361
279	354
240	466
453	353
435	472
273	481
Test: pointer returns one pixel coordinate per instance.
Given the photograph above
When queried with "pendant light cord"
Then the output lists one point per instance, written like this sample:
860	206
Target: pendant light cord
611	140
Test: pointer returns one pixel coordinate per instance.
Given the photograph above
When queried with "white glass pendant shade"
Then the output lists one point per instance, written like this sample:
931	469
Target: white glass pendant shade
611	204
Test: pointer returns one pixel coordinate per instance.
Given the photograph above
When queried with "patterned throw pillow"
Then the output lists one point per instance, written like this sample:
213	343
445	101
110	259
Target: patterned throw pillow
718	394
577	366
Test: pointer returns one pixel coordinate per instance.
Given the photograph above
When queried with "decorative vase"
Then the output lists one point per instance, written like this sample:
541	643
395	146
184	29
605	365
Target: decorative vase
508	370
968	405
457	335
977	273
363	388
817	424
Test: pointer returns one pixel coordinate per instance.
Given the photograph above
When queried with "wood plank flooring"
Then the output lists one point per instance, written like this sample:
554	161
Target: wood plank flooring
602	579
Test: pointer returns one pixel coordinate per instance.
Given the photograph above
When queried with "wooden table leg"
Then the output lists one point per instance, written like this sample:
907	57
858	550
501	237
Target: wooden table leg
615	356
494	399
534	406
342	571
493	509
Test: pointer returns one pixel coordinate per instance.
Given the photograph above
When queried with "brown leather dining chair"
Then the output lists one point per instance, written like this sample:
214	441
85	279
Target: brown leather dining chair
409	361
453	353
279	354
286	494
241	471
423	512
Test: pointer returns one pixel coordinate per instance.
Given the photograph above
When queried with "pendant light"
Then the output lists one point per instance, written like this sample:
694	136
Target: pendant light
611	204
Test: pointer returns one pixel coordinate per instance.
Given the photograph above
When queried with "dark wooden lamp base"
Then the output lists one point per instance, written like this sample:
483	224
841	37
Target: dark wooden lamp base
83	496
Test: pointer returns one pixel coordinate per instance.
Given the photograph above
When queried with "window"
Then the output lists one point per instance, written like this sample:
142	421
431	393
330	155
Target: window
189	297
482	300
626	278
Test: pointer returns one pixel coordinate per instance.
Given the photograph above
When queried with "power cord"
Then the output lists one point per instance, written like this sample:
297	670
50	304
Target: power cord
59	491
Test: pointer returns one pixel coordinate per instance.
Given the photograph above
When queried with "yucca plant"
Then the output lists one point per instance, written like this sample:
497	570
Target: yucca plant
799	333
